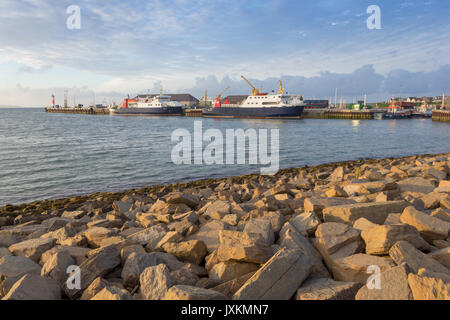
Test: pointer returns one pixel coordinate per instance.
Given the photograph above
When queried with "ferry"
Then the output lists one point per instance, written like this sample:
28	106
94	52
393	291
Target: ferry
160	105
259	105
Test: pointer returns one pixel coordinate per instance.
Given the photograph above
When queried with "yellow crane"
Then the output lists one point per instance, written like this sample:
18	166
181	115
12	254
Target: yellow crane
281	90
220	94
205	96
255	91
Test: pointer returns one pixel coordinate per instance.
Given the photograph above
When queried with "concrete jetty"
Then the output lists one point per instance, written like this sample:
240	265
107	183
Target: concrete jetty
337	114
441	115
90	110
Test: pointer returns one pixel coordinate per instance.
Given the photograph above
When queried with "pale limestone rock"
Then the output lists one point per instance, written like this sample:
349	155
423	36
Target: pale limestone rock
354	268
393	218
375	212
441	214
155	281
394	286
97	265
305	223
381	238
56	267
278	279
426	288
291	239
364	224
432	200
229	288
209	234
34	287
95	235
416	184
442	256
80	254
95	287
32	248
327	289
7	238
182	292
12	268
135	264
5	252
229	270
429	227
192	250
261	227
241	246
188	199
316	205
404	252
127	250
218	209
73	214
112	293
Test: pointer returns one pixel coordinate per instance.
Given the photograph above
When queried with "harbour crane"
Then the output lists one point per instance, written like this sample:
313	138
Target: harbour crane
281	90
223	91
205	96
255	91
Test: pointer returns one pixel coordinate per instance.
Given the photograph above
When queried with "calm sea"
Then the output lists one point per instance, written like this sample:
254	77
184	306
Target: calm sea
47	156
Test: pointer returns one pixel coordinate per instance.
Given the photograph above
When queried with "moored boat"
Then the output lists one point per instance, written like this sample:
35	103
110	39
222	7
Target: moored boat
259	105
160	105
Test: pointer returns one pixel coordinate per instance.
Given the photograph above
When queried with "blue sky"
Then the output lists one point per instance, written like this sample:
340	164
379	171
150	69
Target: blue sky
189	46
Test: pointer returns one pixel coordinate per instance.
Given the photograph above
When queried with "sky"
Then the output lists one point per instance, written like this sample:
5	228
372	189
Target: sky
128	46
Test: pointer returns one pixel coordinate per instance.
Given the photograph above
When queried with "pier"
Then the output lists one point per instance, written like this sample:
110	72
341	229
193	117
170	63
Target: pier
94	111
441	115
193	112
337	114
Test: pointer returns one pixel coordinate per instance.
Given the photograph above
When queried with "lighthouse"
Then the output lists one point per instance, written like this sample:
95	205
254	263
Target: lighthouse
53	100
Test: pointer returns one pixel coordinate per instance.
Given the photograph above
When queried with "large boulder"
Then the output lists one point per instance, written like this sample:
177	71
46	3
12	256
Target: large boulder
34	287
99	264
429	227
209	234
278	279
428	288
32	248
393	286
112	293
242	246
327	289
290	238
229	270
155	281
182	292
404	252
95	235
375	212
416	184
56	267
381	238
354	268
263	227
193	250
135	264
12	268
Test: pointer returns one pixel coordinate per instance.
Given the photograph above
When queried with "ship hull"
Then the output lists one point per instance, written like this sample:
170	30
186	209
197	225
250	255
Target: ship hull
166	111
294	112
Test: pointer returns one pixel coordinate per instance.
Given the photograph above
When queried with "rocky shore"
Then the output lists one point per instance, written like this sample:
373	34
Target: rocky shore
375	229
